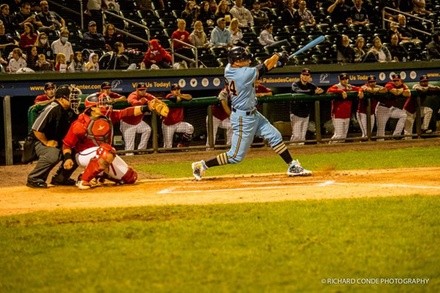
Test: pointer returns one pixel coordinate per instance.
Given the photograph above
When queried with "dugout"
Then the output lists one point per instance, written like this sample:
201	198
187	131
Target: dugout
17	91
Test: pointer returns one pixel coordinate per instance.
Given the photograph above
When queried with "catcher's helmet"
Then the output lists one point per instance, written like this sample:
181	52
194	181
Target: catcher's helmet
238	54
103	102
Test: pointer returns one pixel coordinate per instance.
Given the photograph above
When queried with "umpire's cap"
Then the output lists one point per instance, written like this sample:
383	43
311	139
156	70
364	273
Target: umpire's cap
175	87
49	85
62	91
141	86
424	77
106	85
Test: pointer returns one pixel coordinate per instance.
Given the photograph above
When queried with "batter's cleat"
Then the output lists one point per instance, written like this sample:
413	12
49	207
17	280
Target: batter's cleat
198	169
295	169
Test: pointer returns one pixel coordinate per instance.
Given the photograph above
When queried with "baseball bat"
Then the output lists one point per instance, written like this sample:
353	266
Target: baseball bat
308	46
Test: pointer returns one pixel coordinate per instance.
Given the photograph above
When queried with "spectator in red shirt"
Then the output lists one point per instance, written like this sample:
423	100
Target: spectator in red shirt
28	37
156	55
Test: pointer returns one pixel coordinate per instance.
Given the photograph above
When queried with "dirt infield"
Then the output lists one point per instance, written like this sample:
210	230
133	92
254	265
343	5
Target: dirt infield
16	198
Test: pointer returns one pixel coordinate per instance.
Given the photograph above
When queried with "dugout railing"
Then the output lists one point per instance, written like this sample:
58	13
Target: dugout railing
266	106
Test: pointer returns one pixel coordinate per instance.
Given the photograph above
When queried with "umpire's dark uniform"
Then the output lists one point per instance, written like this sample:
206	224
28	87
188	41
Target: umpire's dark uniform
53	122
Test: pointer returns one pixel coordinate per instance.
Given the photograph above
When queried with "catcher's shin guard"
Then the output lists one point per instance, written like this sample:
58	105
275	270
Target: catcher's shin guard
92	170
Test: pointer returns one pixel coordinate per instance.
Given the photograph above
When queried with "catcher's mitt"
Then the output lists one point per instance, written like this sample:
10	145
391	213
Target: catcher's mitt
159	107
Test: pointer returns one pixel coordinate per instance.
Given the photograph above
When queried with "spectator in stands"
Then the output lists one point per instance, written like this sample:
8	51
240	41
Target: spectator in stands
94	11
93	63
266	38
60	63
223	11
43	64
5	39
339	11
220	117
32	57
17	61
397	51
92	39
394	30
190	13
112	5
341	106
62	45
120	60
182	35
358	14
7	19
244	16
359	49
111	36
305	15
26	16
419	8
220	36
48	96
28	37
132	125
156	56
236	33
260	17
289	15
50	20
77	64
433	48
206	15
213	6
198	37
378	52
345	53
174	123
44	48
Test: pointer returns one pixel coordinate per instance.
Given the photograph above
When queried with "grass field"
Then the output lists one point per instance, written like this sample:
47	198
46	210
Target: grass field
362	245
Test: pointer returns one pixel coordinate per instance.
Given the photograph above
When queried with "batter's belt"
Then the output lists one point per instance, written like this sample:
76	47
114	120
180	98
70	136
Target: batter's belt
248	113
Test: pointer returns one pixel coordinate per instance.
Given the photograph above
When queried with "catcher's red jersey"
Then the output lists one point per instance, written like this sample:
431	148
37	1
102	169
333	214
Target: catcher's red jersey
86	132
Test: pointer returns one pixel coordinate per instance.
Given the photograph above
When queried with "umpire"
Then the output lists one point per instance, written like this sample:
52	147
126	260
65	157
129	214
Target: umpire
48	130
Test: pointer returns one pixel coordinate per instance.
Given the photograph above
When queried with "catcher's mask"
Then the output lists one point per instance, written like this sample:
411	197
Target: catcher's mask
103	102
70	93
238	54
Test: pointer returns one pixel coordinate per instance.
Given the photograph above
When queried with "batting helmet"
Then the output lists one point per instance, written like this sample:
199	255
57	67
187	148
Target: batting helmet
238	54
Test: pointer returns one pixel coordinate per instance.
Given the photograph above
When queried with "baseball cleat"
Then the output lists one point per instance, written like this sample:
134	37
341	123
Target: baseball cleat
295	169
198	170
83	185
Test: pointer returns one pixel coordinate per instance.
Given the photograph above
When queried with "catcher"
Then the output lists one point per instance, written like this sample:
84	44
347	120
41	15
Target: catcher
90	137
246	121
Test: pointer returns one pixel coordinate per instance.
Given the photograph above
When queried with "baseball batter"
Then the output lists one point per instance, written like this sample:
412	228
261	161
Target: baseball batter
246	121
300	110
341	106
387	106
373	89
90	137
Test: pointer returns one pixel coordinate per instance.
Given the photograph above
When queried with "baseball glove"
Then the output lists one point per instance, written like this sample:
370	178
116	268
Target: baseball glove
159	107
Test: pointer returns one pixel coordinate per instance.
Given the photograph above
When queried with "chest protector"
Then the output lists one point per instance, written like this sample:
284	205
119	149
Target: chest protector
100	130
